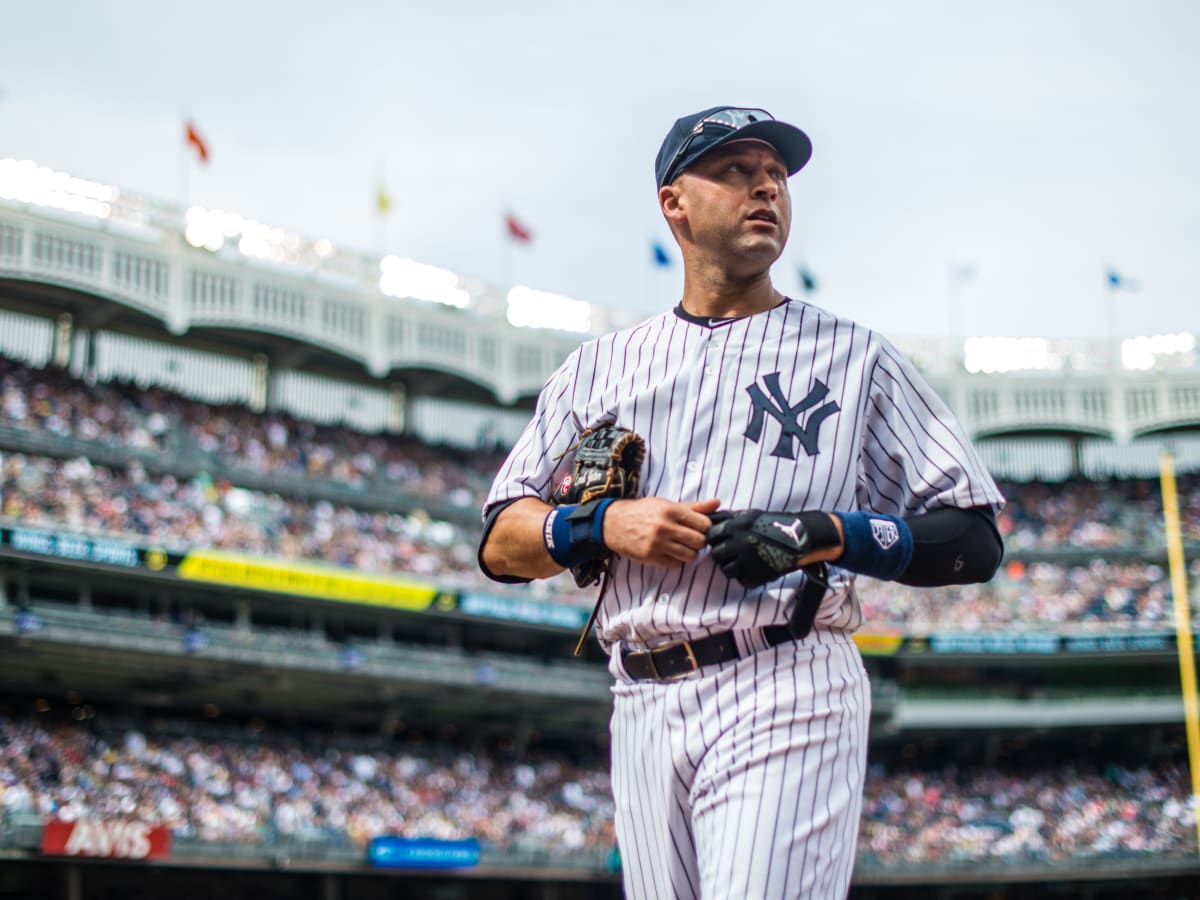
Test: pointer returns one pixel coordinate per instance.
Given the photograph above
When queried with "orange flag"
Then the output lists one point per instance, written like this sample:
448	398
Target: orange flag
194	140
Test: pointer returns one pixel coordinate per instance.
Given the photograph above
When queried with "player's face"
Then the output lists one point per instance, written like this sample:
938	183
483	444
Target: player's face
737	204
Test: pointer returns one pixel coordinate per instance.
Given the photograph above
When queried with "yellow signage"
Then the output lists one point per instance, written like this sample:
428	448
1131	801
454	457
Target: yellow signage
306	580
878	644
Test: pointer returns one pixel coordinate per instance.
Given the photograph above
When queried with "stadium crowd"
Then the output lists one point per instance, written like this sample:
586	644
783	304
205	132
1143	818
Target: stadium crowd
1097	594
228	786
261	788
1054	814
120	414
160	510
163	511
1078	514
212	510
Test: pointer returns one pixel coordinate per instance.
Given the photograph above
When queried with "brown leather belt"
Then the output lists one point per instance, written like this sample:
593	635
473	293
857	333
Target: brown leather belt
677	659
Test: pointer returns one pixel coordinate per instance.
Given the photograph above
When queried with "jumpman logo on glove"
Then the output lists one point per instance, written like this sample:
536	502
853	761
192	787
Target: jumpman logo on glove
792	531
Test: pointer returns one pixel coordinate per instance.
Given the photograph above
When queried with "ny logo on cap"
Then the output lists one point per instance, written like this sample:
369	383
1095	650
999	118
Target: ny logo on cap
779	408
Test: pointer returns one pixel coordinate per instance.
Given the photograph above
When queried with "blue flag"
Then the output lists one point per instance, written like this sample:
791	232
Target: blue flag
661	257
808	281
1118	282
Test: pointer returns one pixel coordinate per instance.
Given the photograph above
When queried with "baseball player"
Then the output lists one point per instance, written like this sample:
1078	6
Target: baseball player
787	450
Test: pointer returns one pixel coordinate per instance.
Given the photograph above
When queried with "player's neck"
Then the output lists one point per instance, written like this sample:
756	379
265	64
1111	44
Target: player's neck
716	295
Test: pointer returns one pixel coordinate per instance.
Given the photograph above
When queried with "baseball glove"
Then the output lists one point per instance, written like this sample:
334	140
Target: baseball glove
607	466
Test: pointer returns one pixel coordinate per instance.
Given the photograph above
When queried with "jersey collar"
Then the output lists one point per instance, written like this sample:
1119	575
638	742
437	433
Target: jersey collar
718	321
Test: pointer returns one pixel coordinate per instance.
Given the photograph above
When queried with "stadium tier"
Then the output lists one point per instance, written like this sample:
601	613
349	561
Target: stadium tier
242	626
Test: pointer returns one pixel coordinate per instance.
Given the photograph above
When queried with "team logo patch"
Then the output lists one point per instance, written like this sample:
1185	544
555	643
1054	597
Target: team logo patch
886	533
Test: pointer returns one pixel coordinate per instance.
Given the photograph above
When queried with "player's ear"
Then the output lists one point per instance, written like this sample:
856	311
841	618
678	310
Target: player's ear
670	202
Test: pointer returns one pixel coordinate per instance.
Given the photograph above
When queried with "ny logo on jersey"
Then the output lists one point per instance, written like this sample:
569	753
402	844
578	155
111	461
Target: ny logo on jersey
778	407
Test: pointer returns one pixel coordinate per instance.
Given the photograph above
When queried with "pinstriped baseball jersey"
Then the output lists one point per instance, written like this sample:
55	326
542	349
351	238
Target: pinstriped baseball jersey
789	409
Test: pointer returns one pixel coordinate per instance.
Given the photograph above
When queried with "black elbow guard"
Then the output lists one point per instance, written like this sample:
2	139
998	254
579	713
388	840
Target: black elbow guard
953	546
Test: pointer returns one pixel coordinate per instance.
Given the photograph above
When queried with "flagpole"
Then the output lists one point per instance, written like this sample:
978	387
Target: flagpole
508	257
380	211
1110	320
184	172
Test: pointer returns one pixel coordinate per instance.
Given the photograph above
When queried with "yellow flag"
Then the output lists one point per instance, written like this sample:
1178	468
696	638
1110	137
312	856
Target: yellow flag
383	201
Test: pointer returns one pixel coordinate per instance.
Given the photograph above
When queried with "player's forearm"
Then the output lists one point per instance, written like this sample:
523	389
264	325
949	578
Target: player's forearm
953	546
941	547
945	546
515	547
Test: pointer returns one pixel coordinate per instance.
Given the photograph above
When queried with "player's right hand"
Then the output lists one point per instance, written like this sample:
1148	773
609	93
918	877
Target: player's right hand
656	531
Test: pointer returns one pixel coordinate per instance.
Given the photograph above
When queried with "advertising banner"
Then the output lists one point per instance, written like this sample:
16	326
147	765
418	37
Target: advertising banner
422	853
531	612
106	838
103	551
878	644
324	582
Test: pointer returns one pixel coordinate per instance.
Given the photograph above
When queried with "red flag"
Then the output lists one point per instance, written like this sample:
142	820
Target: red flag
194	139
517	231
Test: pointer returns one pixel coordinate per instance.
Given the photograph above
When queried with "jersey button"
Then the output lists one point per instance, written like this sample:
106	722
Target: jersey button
710	371
663	598
693	466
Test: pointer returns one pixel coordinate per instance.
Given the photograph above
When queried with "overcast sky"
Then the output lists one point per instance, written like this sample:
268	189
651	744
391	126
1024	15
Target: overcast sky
1033	143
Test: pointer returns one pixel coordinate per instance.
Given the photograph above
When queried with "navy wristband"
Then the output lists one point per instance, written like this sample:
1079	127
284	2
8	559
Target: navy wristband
874	544
575	533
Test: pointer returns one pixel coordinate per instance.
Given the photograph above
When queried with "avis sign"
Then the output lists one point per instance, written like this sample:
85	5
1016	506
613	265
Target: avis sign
106	838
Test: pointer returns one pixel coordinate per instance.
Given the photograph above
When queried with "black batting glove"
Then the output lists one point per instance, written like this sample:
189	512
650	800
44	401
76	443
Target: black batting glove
754	546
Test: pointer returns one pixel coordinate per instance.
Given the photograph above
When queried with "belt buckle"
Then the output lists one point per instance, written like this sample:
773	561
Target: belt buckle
691	655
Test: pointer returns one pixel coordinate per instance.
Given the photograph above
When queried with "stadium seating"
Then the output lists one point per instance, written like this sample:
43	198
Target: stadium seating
264	785
340	496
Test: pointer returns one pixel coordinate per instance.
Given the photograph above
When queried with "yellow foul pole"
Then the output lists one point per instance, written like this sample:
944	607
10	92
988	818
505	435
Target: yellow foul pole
1184	641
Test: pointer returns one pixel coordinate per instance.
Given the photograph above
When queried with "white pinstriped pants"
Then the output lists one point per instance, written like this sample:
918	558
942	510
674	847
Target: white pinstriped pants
743	781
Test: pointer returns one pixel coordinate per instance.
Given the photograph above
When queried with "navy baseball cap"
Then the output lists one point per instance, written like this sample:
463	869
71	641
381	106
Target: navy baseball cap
693	136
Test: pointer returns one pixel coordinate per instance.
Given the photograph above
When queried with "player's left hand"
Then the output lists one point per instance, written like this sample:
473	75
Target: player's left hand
755	546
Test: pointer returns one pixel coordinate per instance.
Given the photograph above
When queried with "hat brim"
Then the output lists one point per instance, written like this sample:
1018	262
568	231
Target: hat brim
792	144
